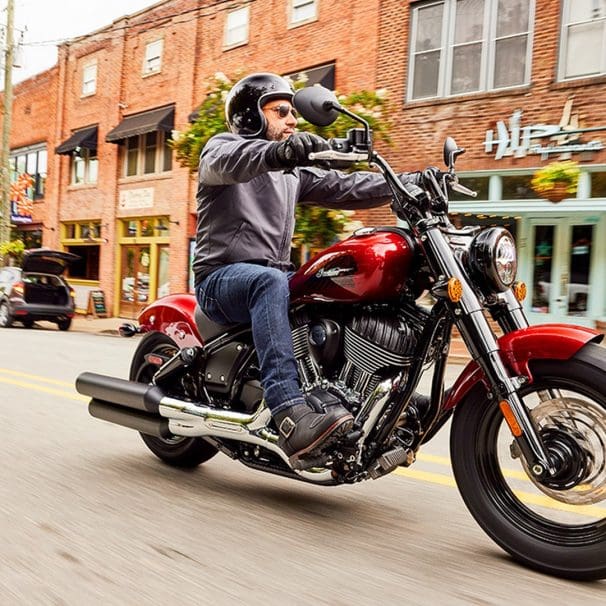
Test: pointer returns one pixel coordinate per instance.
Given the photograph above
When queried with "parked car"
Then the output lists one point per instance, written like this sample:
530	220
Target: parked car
37	290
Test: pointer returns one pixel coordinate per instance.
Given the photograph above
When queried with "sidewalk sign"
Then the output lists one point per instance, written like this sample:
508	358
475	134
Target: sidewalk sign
96	304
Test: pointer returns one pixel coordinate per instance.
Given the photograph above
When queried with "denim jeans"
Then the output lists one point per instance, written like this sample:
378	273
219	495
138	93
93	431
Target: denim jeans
242	293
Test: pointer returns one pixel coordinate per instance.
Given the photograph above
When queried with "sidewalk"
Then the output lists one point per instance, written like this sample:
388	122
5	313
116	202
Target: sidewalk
109	326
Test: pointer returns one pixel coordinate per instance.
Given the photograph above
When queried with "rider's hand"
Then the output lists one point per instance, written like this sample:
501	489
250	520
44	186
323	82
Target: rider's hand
415	178
295	150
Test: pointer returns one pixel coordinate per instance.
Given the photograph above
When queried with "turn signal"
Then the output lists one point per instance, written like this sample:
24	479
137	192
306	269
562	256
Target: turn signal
520	291
514	426
455	290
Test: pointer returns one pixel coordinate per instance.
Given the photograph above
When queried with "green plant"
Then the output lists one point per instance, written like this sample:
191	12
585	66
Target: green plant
315	226
13	250
564	172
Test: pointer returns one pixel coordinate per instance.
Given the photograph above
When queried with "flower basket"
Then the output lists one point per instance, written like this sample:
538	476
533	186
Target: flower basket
556	180
557	193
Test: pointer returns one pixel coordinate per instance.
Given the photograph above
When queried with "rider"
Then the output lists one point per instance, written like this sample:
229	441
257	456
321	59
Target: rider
249	182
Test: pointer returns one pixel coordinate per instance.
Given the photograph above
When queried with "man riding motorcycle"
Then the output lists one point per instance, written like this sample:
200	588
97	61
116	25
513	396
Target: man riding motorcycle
249	182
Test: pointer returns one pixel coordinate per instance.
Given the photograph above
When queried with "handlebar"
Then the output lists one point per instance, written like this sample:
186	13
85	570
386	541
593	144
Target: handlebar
331	154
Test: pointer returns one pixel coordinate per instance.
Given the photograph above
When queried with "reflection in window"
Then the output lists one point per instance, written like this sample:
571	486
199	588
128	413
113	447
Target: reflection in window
598	185
580	261
517	187
542	277
477	184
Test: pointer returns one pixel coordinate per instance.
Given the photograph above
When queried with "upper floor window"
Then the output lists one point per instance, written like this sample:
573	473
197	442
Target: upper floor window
236	27
466	46
303	10
583	47
32	163
89	79
85	166
152	61
147	154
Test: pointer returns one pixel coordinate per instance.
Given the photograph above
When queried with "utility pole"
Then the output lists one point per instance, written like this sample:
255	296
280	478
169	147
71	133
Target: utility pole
5	183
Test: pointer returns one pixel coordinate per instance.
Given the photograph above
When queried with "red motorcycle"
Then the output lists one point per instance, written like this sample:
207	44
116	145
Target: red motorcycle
533	399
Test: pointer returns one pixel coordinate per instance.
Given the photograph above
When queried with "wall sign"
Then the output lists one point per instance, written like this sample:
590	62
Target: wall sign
142	197
515	140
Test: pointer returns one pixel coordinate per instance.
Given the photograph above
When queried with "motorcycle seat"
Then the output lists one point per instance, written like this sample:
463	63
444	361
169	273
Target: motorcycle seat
207	328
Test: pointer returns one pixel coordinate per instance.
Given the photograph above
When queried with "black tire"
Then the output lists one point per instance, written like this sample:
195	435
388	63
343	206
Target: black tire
564	544
27	323
177	451
6	315
64	324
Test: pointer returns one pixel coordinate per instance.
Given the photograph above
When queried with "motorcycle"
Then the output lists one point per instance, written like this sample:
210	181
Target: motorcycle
533	398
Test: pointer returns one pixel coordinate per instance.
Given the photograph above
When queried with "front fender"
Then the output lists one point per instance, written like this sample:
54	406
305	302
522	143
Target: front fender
173	315
520	347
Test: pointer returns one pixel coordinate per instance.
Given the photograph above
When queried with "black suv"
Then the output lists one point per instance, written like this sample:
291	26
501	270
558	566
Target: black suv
37	290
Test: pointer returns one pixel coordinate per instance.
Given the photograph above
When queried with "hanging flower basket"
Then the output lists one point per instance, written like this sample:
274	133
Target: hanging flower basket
556	180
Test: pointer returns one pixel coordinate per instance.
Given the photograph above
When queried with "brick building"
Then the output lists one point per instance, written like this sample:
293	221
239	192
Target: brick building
505	78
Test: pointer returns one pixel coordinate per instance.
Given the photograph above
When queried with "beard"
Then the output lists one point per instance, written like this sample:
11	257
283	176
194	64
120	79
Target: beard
276	132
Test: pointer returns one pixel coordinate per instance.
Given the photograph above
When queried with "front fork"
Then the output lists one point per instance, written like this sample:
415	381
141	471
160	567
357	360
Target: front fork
484	349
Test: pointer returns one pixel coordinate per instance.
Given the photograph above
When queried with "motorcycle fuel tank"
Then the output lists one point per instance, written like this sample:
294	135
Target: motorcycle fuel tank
372	265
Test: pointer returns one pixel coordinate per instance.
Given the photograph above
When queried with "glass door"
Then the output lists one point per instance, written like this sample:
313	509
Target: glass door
134	279
561	268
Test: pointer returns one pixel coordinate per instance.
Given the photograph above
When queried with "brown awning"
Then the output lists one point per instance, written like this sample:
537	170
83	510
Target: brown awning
162	118
83	137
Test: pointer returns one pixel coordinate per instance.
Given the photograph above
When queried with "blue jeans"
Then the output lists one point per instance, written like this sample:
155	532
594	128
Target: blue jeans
242	293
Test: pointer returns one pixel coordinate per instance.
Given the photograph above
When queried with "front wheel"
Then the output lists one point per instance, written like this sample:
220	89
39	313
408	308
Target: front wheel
6	315
176	451
557	527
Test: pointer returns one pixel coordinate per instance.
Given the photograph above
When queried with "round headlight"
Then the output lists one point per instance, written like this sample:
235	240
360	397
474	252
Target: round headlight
493	259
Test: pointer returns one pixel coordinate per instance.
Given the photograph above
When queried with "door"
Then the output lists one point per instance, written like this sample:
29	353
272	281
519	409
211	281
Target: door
134	279
561	259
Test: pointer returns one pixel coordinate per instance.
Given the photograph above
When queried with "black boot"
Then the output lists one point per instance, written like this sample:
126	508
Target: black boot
302	430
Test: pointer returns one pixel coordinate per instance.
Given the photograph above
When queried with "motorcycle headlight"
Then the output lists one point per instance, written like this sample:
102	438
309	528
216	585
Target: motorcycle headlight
493	258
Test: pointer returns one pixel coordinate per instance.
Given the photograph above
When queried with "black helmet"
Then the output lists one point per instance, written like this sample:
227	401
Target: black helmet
247	97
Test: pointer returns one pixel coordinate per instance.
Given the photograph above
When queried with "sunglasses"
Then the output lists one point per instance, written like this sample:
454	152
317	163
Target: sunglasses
283	110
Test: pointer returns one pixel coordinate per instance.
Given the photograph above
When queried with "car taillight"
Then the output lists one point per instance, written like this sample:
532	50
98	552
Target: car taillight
19	288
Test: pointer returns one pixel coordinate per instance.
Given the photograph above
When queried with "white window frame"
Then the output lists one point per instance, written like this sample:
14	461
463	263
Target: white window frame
34	161
566	24
152	60
489	40
162	149
236	33
87	158
298	11
89	79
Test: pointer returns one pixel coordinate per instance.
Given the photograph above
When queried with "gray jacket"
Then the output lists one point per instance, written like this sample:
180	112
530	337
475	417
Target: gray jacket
246	211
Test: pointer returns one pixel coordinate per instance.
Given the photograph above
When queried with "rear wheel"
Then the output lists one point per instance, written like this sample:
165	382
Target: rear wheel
64	324
177	451
559	526
6	315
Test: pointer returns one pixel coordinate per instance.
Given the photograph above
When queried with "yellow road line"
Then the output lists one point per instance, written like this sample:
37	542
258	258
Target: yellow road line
55	392
25	375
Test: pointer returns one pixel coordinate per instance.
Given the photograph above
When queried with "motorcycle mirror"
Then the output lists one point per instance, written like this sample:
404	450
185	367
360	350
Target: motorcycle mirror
317	105
451	151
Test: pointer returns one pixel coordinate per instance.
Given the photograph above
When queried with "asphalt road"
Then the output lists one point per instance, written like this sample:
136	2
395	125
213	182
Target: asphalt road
89	516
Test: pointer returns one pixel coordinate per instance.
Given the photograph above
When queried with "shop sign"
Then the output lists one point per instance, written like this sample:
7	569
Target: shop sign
517	140
136	198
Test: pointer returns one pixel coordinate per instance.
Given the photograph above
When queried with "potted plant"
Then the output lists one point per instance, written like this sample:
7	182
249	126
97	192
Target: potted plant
556	180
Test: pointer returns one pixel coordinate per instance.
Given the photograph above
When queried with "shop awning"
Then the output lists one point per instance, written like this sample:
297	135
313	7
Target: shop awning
83	137
162	118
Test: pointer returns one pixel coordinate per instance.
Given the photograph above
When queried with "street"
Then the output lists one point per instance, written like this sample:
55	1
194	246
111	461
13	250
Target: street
90	516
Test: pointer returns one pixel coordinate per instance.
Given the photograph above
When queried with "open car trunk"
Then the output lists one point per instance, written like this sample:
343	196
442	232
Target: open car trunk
44	290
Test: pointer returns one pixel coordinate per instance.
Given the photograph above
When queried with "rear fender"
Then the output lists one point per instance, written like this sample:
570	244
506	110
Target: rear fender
520	347
173	315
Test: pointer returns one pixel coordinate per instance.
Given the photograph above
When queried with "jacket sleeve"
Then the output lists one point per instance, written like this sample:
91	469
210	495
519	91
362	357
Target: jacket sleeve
227	159
336	189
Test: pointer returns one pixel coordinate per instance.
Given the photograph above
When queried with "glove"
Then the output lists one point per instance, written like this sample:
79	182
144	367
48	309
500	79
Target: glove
415	178
295	150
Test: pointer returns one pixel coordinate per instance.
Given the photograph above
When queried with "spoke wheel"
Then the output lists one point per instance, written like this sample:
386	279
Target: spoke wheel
177	451
558	527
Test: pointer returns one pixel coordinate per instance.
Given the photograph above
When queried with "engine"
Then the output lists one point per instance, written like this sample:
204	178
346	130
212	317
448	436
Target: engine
352	357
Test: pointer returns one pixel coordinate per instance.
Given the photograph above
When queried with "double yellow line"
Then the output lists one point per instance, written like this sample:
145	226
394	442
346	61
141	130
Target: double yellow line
53	387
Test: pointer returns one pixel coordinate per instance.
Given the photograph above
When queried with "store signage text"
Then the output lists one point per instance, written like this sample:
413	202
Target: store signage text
136	198
543	139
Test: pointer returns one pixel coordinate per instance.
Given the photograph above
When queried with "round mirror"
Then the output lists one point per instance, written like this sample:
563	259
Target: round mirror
317	105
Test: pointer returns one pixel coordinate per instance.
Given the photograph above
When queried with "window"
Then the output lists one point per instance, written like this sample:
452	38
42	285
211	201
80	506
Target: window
517	187
323	75
147	154
583	48
85	166
303	10
598	184
32	162
87	266
84	239
236	27
89	79
466	46
153	57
